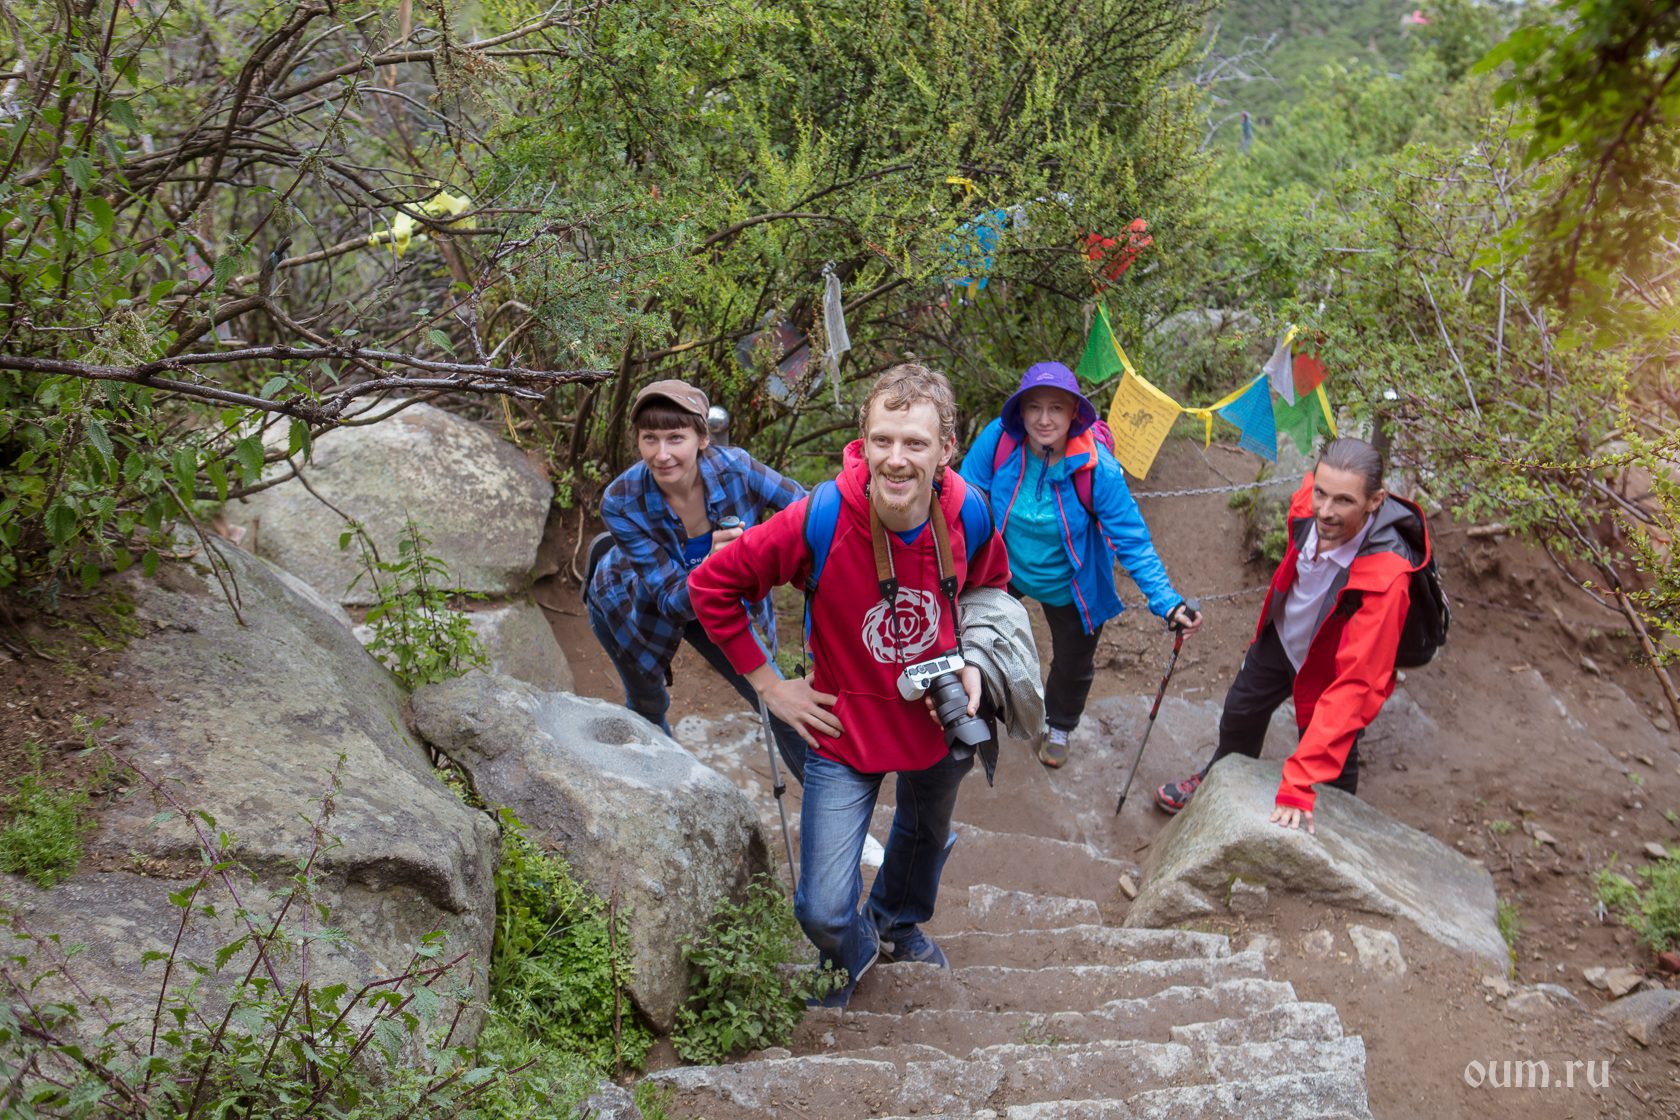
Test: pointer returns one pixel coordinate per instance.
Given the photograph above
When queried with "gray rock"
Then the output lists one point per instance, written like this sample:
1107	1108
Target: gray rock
1529	1005
257	717
1644	1015
1246	898
519	642
1379	952
482	502
609	1102
1318	943
1560	995
635	813
1360	859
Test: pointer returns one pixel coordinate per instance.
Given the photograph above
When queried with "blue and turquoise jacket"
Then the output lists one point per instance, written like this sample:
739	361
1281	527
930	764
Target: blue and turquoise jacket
1093	543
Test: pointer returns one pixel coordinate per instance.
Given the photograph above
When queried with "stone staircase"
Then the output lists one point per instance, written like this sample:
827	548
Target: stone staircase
1047	1013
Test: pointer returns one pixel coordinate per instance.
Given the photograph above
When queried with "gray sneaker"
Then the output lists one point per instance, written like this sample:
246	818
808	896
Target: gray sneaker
915	947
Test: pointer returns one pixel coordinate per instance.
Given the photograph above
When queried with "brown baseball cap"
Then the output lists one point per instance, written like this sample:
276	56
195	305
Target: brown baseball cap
679	393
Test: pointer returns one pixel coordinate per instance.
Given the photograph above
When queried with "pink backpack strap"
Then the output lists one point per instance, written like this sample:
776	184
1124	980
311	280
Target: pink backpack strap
1006	446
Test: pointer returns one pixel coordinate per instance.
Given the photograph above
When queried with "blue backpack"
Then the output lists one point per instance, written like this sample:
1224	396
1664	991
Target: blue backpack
822	515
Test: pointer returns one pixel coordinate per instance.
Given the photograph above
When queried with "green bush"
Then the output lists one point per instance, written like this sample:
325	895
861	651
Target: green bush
1651	911
744	994
43	839
561	958
415	633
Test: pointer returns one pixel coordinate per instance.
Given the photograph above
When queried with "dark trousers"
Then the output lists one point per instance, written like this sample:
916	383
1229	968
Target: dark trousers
648	697
1072	665
1264	682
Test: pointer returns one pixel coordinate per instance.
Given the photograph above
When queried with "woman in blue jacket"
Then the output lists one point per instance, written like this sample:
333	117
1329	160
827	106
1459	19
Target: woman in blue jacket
1064	534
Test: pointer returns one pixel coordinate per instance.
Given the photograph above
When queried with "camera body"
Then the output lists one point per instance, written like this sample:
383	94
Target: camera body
940	677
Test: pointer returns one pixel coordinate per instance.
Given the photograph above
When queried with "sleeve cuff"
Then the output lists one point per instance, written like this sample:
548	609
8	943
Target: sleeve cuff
1290	797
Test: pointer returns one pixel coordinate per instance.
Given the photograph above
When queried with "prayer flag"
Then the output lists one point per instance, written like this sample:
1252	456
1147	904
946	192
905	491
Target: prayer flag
1140	418
1277	367
1298	421
1251	412
1308	373
1103	357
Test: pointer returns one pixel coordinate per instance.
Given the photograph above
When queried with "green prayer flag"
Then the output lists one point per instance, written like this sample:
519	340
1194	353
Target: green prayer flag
1103	358
1298	421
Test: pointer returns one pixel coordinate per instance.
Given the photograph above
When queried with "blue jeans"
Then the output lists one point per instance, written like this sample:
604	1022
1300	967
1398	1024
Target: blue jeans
648	697
834	818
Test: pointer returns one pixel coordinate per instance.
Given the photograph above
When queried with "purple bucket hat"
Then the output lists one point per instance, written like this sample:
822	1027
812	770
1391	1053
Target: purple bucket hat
1053	375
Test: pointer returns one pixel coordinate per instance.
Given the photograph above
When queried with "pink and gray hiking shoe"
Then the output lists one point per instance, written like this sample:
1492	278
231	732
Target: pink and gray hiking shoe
1176	795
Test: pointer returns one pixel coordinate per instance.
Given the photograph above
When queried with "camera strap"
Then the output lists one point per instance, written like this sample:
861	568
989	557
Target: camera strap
886	577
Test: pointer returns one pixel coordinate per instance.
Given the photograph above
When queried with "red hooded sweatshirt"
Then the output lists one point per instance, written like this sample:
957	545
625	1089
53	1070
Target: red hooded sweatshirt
1349	669
852	642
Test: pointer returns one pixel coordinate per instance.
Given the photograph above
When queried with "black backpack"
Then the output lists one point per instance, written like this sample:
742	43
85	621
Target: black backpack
1427	619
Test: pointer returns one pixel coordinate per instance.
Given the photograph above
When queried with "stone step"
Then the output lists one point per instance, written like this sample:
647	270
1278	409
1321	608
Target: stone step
994	910
1287	1020
1079	944
1015	862
1004	1078
1151	1018
902	988
1309	1096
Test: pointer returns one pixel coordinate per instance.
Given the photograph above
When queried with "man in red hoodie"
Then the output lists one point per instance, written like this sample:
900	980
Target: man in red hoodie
896	496
1328	631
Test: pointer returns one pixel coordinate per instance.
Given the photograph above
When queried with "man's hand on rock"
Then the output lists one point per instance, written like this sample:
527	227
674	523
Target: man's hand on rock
1287	816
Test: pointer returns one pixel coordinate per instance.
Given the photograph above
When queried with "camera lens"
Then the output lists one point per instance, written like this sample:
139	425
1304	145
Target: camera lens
963	732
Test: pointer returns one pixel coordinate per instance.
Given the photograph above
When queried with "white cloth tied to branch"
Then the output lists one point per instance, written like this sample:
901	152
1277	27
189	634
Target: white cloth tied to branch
834	325
1281	366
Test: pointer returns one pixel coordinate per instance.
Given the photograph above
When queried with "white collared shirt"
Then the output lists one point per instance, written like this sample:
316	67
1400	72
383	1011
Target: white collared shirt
1313	578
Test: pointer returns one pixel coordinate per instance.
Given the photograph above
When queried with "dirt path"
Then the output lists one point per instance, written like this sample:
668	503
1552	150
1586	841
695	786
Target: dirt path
1536	717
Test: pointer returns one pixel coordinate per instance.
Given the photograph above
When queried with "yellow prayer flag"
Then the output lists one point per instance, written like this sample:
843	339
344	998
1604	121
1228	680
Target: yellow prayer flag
1329	417
1140	417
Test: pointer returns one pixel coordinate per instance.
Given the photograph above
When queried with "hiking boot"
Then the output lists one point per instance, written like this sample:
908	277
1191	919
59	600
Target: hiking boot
914	947
841	996
1176	795
1053	747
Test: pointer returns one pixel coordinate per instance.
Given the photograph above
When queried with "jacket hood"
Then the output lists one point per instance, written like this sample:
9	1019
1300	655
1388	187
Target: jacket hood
1053	375
854	482
1399	528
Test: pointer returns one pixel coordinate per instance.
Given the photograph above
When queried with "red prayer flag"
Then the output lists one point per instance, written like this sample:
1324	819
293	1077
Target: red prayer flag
1309	373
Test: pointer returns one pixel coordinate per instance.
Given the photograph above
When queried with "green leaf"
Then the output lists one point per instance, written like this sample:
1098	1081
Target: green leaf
101	212
225	269
297	439
100	438
249	452
272	386
218	476
326	368
440	340
123	113
80	170
159	290
61	522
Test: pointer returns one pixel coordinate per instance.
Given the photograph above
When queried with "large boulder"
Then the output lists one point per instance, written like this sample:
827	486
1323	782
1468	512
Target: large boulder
635	813
1360	859
247	723
481	502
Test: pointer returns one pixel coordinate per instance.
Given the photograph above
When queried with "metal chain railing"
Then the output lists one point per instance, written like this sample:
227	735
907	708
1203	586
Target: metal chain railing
1216	489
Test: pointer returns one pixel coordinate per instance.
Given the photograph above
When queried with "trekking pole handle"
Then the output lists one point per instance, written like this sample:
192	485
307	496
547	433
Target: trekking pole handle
1190	606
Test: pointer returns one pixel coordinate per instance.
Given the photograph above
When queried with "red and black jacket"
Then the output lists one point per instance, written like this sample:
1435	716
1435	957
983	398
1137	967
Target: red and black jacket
1349	669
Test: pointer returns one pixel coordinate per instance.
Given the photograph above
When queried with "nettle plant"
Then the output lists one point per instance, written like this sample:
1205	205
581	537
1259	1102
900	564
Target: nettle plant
245	1034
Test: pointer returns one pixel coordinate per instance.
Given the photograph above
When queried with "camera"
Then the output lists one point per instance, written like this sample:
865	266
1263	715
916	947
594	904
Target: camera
939	678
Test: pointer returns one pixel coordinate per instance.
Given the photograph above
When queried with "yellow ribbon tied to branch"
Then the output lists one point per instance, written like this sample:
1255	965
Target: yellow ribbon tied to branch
403	226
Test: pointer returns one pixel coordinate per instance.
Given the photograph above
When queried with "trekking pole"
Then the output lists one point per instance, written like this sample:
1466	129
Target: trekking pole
778	787
1191	606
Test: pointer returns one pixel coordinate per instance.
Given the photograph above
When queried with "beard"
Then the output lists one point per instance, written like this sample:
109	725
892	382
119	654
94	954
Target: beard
887	503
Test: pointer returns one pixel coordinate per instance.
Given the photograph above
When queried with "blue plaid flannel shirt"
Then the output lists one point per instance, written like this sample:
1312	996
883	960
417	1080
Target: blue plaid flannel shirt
641	585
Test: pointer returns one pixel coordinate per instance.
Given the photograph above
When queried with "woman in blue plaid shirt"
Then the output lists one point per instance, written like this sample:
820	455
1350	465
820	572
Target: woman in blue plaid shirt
665	514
